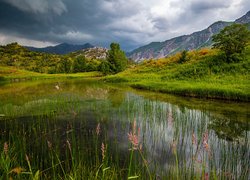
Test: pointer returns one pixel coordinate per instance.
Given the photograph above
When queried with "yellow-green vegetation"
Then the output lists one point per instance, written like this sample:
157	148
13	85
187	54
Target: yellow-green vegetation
19	57
13	74
203	73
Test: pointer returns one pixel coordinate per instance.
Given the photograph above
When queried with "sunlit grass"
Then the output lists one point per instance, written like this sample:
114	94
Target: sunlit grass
13	74
203	75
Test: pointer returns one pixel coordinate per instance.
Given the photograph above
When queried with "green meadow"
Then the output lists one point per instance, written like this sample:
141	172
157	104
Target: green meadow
172	118
12	74
204	74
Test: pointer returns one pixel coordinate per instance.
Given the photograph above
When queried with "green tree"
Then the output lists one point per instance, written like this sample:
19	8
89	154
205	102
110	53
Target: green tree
64	65
104	67
183	57
232	40
117	59
79	64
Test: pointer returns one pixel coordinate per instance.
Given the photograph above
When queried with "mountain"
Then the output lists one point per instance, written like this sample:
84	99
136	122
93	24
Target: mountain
63	48
244	19
96	53
92	53
195	40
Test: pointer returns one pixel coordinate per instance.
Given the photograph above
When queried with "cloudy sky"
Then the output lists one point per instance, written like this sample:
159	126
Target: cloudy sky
131	23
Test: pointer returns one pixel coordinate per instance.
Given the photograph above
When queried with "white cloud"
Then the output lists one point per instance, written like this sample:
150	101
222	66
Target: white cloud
133	22
159	20
75	35
5	39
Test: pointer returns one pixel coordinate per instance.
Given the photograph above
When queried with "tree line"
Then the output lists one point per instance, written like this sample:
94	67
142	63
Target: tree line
232	41
15	55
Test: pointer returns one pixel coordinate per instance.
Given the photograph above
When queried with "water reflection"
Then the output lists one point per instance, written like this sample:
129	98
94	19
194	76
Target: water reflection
201	139
171	131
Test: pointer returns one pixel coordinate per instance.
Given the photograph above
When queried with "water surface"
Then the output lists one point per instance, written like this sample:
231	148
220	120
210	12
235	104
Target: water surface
176	135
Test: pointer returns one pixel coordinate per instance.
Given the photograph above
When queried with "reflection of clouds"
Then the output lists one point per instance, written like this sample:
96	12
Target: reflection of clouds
96	93
162	124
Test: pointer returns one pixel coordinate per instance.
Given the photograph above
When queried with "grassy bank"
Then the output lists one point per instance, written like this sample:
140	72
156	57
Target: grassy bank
80	132
204	74
11	74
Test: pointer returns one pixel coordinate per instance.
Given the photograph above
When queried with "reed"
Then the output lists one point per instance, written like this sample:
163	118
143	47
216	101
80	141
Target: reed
78	137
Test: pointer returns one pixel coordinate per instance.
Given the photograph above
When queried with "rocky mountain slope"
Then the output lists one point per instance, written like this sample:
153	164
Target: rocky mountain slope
92	53
63	48
195	40
95	53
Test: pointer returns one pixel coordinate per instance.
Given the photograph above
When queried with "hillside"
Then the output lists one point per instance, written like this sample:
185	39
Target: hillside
63	48
92	53
195	40
203	75
16	56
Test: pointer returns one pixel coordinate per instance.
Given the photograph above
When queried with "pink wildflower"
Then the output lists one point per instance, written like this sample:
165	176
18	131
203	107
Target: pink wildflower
5	148
103	149
49	144
98	129
194	140
170	119
134	137
206	176
205	141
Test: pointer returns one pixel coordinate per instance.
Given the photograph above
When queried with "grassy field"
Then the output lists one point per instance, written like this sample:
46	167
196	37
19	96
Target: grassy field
13	74
204	74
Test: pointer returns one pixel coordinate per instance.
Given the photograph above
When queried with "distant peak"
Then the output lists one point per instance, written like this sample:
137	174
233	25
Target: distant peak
63	48
196	40
217	23
64	43
244	19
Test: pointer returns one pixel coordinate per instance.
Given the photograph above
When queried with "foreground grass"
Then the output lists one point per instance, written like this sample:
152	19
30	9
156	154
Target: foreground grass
90	130
13	74
203	75
55	137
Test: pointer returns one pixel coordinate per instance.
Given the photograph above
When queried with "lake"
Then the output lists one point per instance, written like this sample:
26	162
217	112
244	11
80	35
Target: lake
84	129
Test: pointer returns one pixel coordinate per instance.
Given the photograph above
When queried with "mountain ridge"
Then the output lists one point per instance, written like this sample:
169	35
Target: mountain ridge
63	48
195	40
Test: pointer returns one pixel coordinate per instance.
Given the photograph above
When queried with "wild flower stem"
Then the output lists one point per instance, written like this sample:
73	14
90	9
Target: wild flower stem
130	162
145	162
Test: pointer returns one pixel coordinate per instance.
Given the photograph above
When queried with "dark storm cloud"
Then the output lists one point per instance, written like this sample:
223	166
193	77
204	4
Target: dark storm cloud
78	22
38	6
199	6
161	23
129	22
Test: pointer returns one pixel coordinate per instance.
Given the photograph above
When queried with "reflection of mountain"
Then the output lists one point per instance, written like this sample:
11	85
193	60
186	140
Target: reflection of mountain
163	124
220	109
70	114
229	129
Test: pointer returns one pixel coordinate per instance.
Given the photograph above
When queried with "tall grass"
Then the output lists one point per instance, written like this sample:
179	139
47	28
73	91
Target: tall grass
88	134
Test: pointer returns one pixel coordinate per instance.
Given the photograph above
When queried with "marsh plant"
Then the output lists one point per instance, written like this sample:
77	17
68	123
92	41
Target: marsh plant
75	134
